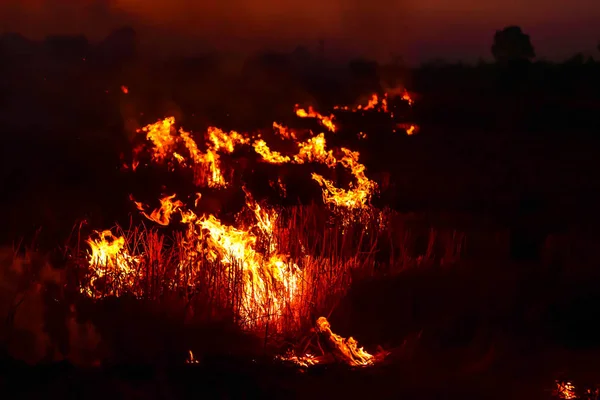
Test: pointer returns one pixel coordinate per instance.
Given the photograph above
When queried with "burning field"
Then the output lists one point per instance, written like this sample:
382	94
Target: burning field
270	255
216	244
273	270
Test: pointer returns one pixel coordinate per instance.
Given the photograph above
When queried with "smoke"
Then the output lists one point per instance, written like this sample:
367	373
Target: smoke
425	29
238	25
38	18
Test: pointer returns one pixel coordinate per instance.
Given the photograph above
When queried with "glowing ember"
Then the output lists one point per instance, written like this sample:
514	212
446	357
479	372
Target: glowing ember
305	361
374	103
410	129
565	390
406	97
191	359
125	89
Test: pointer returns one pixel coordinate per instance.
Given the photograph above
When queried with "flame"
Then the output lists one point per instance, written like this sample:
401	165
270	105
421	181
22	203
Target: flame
374	103
407	97
343	350
270	156
206	165
163	214
565	390
110	260
313	150
269	282
261	281
305	361
311	113
346	349
284	131
191	359
124	89
161	135
410	129
358	195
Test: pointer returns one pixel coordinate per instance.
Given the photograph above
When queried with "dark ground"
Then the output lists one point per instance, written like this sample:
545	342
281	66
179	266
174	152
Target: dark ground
521	377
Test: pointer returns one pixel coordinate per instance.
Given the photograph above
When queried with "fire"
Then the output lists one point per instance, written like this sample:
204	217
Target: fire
111	262
161	135
565	390
410	129
314	150
359	194
311	113
124	89
406	97
346	350
284	131
270	156
206	165
269	282
305	361
191	359
247	264
374	103
163	214
342	350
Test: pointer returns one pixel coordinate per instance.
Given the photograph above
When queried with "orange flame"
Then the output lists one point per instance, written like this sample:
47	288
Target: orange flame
374	103
111	261
565	390
267	282
346	349
163	214
311	113
284	131
206	166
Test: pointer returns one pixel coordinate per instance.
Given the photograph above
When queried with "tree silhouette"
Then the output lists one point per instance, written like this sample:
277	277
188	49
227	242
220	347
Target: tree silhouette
511	44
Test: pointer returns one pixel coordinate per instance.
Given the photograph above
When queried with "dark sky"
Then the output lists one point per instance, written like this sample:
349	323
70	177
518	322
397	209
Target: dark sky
417	29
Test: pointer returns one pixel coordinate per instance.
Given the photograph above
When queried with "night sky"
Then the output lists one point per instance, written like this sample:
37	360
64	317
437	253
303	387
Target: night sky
418	30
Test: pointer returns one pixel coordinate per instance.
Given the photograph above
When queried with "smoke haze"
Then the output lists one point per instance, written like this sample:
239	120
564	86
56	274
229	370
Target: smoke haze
417	29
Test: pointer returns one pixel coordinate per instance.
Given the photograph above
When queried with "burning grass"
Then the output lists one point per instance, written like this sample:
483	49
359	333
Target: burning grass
273	276
272	271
